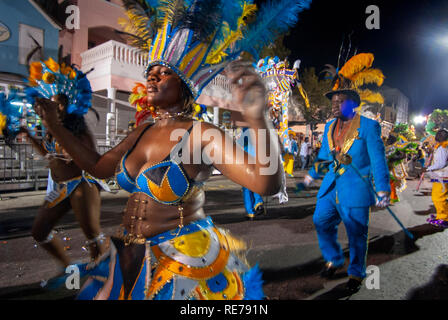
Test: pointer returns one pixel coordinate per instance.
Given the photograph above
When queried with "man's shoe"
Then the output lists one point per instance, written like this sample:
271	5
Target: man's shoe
329	270
250	216
261	210
353	285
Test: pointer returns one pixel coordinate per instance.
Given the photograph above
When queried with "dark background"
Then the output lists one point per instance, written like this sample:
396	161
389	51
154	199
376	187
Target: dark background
406	47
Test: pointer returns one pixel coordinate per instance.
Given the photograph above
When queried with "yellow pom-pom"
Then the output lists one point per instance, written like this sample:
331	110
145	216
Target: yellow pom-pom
48	78
66	70
52	65
197	108
72	75
36	71
2	122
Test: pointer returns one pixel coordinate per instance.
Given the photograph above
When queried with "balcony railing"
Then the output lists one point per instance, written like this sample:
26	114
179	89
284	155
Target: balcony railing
113	58
115	51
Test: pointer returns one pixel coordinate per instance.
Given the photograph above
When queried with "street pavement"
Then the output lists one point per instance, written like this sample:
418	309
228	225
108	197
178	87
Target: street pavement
283	243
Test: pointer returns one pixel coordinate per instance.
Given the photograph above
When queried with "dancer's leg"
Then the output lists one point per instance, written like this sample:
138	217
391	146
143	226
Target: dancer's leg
86	203
42	228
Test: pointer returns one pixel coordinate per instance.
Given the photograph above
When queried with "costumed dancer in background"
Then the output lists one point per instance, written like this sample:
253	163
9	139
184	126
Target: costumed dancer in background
291	150
253	202
397	153
351	149
168	248
69	186
304	153
438	173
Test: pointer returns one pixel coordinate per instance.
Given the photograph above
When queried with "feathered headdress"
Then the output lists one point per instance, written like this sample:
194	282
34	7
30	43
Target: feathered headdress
353	76
198	38
10	115
48	78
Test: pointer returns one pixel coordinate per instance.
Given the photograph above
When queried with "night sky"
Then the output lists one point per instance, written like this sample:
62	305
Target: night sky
406	47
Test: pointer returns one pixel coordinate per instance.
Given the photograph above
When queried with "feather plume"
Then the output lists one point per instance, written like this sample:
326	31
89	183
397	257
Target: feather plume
273	19
253	283
172	12
217	54
368	76
249	10
203	18
229	37
142	22
370	96
356	64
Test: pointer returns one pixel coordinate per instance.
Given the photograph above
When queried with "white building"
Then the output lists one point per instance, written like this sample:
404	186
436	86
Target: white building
397	102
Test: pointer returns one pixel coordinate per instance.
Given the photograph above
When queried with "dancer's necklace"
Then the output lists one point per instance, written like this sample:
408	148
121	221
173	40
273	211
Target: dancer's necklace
169	115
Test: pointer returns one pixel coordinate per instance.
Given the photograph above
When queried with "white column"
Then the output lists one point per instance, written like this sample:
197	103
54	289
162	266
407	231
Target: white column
110	120
216	116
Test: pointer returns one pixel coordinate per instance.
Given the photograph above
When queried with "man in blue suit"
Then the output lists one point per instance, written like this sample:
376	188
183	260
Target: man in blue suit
353	156
253	202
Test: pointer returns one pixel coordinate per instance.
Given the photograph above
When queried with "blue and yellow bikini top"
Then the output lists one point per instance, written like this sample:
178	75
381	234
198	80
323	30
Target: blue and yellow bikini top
166	182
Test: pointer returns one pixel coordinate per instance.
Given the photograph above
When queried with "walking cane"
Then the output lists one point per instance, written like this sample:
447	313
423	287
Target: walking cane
406	231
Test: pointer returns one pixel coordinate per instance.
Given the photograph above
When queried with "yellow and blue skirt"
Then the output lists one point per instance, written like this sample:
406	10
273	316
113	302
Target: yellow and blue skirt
197	262
58	192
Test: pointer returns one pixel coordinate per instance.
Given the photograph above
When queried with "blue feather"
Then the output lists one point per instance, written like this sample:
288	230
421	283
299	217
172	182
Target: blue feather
273	19
13	113
253	284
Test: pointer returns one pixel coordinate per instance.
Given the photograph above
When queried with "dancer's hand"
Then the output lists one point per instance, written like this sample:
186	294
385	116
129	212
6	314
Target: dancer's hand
304	184
47	111
383	199
249	92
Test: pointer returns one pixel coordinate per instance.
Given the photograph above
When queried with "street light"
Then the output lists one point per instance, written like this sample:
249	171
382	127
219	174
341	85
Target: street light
419	119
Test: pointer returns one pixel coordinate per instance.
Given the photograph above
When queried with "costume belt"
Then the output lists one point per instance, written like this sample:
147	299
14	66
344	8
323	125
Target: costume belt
167	235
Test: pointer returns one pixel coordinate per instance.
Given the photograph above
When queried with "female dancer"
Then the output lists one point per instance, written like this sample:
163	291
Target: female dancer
69	187
169	249
164	213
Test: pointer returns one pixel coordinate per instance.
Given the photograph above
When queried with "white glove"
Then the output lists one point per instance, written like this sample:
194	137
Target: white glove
383	199
308	180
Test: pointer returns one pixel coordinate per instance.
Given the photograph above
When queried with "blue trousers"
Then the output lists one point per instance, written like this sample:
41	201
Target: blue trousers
251	200
327	217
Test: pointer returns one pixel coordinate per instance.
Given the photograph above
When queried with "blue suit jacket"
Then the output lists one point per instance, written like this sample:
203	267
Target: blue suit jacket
363	143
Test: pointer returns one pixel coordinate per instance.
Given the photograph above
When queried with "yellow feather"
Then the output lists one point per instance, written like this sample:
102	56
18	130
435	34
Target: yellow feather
368	76
371	97
248	10
356	64
136	25
217	53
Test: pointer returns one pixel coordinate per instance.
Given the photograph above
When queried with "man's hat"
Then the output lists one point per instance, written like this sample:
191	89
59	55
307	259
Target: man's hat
356	73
